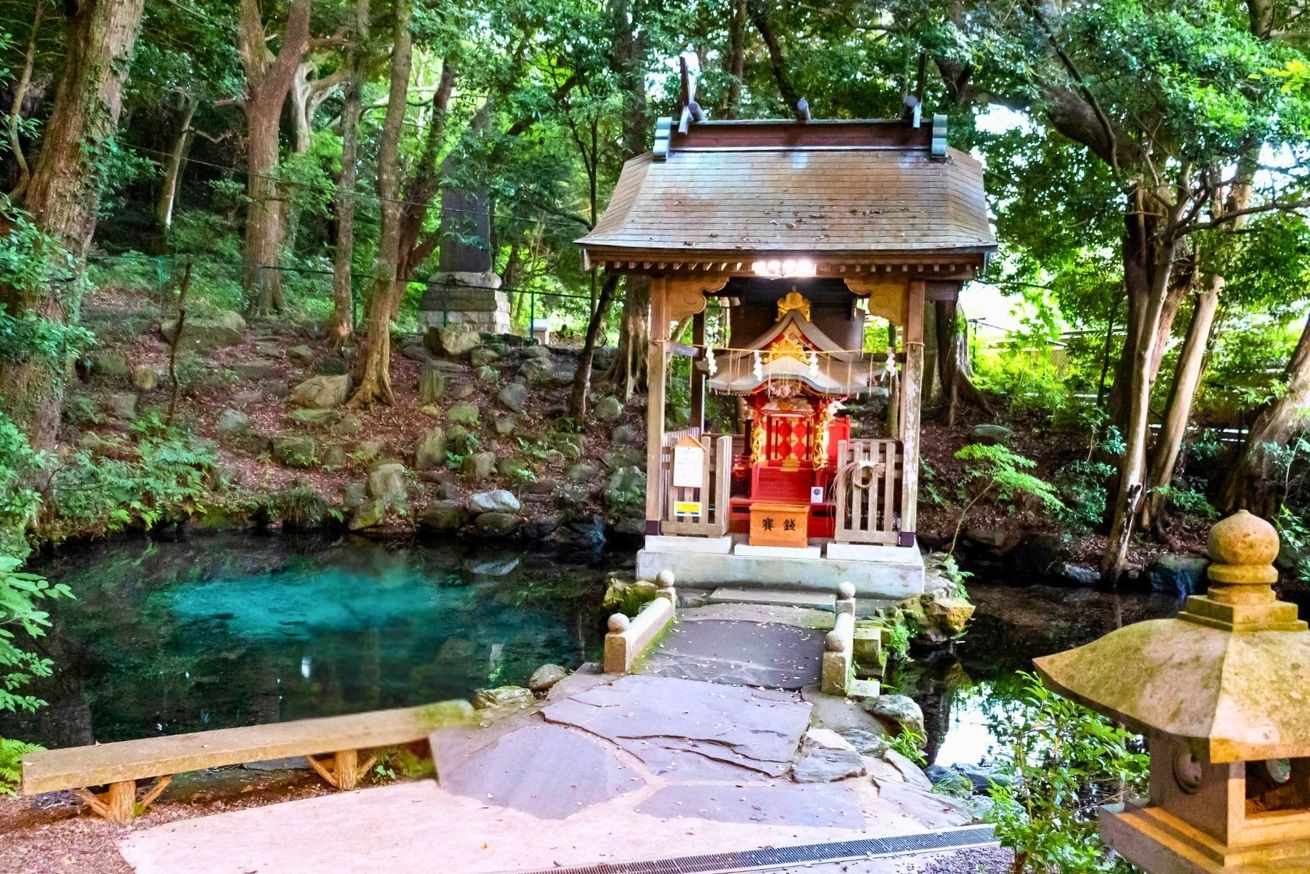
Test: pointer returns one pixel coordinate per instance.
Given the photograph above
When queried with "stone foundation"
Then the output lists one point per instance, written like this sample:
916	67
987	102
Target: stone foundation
470	300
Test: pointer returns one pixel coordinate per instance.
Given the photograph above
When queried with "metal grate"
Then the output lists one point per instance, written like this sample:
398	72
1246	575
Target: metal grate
746	860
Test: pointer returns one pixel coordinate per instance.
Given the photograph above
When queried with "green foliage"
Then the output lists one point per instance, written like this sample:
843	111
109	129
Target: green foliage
1295	535
1082	487
167	481
957	575
899	634
19	500
1063	761
20	594
11	763
909	743
300	505
998	471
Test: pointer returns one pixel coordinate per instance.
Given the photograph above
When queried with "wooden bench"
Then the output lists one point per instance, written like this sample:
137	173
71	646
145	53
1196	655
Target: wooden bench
118	766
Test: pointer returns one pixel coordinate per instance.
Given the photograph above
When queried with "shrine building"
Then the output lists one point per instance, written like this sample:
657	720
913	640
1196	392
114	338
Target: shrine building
790	263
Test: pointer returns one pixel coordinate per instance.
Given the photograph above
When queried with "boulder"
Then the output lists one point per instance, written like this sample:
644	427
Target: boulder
369	514
368	450
546	676
463	413
145	377
541	528
496	524
334	456
626	490
232	422
416	352
515	470
333	365
347	425
623	457
386	483
493	501
295	451
431	451
505	425
354	495
486	374
513	397
431	384
256	369
825	757
538	371
1179	575
609	409
503	696
106	363
478	466
583	532
302	355
896	712
582	472
1069	574
311	417
452	341
122	405
625	435
462	391
461	440
482	356
202	331
991	435
321	392
910	772
443	516
944	618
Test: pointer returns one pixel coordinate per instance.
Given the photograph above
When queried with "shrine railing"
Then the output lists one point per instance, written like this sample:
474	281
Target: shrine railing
867	486
696	476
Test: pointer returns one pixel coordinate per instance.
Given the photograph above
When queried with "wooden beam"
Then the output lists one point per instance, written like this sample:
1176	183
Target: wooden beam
656	371
697	375
911	403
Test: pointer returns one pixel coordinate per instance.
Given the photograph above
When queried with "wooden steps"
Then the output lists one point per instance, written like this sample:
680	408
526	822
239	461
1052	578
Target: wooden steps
774	598
120	765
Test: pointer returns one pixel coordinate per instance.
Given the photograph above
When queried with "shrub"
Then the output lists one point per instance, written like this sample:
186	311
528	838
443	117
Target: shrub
1063	761
995	470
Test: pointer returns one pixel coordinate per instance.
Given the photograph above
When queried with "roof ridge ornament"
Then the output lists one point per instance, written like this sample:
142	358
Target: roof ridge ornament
793	301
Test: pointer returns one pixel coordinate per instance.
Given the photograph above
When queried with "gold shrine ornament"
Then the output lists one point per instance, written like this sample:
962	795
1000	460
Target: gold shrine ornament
796	301
790	345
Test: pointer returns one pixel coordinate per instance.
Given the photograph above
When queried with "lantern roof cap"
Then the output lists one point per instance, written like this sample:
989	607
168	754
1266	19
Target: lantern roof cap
1231	672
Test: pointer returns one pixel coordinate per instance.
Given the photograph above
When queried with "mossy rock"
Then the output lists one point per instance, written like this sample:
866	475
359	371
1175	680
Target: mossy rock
295	451
464	413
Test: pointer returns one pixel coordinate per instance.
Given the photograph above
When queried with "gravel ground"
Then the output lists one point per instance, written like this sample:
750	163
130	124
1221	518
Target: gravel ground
980	860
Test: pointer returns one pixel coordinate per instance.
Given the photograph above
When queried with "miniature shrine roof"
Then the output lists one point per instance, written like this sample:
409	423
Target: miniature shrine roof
737	191
785	349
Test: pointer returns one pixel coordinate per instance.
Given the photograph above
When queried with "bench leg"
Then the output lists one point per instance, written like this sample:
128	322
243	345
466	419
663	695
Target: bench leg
344	772
118	803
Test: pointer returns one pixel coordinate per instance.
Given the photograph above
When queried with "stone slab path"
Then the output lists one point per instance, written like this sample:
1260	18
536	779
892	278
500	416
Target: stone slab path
606	769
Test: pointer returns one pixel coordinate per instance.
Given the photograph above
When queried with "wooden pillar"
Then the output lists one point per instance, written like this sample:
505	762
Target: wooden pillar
697	375
346	769
911	401
656	373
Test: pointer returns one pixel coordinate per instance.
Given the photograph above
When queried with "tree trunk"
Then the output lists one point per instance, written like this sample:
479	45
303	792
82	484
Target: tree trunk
629	368
341	325
16	108
1138	401
1187	376
582	379
304	98
954	371
63	194
1247	485
375	377
173	167
268	79
425	183
736	66
760	18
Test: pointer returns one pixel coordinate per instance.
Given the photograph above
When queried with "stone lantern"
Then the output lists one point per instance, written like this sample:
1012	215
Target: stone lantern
1222	694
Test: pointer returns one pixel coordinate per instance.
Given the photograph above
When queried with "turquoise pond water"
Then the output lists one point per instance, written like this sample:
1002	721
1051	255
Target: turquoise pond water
234	630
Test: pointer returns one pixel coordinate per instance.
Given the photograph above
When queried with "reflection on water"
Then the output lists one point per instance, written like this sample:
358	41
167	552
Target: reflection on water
236	630
962	690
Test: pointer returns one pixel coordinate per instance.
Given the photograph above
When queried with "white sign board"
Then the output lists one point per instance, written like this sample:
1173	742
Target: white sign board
688	464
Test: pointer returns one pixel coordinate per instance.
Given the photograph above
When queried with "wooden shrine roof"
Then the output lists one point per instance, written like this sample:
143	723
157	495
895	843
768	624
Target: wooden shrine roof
740	191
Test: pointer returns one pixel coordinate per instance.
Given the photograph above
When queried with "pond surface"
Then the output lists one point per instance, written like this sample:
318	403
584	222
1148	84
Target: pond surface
228	630
235	630
963	689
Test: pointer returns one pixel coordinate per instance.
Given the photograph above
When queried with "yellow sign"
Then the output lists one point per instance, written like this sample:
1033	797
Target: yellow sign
686	508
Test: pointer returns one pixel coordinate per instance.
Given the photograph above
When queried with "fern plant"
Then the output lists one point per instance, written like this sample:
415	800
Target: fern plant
997	471
11	763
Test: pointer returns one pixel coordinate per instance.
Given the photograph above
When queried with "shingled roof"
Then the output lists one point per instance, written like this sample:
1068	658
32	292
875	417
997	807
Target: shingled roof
874	191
